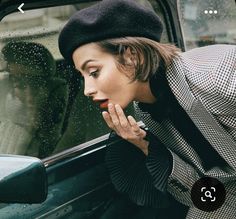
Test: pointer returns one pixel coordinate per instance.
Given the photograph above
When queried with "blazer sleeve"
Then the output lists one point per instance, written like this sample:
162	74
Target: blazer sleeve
184	175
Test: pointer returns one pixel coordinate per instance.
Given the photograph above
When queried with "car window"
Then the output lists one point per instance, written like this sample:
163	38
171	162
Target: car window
208	22
42	107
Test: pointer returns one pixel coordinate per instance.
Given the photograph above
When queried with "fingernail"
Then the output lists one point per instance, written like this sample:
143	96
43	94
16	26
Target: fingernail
103	113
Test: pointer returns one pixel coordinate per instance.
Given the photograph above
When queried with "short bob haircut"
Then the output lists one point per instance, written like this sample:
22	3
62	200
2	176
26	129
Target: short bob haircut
148	55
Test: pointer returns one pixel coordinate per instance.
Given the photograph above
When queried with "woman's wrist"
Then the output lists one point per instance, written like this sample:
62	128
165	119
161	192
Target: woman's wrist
142	145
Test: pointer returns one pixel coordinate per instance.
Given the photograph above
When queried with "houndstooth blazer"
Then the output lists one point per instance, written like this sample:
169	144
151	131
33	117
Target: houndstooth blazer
203	81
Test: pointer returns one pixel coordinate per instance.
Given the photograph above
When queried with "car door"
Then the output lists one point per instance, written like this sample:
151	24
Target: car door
46	115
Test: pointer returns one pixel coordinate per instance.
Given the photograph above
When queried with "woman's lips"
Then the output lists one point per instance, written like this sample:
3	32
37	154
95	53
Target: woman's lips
104	104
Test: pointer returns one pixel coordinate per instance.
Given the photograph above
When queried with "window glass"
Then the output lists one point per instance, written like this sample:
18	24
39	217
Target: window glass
208	22
42	107
155	6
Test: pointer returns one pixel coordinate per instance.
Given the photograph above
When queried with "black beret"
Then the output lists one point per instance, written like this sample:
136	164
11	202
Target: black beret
108	19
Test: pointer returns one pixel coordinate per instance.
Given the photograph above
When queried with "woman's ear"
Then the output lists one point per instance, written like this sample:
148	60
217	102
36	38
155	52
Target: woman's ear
130	57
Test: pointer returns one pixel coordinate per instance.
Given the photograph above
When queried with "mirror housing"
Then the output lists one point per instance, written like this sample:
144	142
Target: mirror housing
23	179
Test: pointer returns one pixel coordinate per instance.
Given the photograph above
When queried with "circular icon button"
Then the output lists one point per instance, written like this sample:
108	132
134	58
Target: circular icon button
208	194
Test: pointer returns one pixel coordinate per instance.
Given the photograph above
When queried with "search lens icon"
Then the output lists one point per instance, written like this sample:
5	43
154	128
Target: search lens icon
208	194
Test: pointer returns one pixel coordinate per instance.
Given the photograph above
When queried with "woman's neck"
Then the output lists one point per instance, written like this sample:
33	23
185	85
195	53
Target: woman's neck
144	94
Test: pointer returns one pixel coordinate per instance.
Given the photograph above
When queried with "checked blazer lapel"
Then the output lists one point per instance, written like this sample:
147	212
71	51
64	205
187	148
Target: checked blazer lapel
222	142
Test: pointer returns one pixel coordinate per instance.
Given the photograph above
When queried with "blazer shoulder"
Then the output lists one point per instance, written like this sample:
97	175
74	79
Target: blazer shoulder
210	73
209	52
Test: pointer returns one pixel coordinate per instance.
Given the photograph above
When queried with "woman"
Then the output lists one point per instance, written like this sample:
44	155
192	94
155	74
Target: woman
187	101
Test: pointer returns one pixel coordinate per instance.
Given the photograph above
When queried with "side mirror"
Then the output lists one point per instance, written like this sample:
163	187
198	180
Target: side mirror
23	179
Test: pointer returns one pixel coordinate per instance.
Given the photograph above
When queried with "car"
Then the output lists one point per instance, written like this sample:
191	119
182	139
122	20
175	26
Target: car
53	139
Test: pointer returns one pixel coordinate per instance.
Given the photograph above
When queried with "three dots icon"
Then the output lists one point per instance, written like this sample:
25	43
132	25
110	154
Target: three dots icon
210	11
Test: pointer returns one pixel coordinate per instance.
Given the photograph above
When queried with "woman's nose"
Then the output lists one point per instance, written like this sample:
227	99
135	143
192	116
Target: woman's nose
89	90
89	93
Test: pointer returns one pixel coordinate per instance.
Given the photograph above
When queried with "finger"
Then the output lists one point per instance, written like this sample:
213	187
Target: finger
113	115
134	124
108	120
143	133
135	127
121	116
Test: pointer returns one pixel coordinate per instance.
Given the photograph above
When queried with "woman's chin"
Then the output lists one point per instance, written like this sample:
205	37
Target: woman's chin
123	106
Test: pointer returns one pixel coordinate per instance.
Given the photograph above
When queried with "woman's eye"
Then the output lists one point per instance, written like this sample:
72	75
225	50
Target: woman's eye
94	73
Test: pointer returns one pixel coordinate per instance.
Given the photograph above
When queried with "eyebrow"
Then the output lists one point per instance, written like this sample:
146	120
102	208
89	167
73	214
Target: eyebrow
85	63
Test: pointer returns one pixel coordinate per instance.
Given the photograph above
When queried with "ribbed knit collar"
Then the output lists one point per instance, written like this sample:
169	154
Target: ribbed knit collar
163	106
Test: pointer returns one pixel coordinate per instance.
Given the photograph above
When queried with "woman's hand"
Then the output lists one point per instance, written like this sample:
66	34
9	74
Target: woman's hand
127	128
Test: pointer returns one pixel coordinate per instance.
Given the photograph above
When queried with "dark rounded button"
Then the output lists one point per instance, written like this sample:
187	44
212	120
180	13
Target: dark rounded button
208	194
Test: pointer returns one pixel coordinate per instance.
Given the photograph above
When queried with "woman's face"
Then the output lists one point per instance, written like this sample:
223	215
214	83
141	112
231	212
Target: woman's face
103	81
